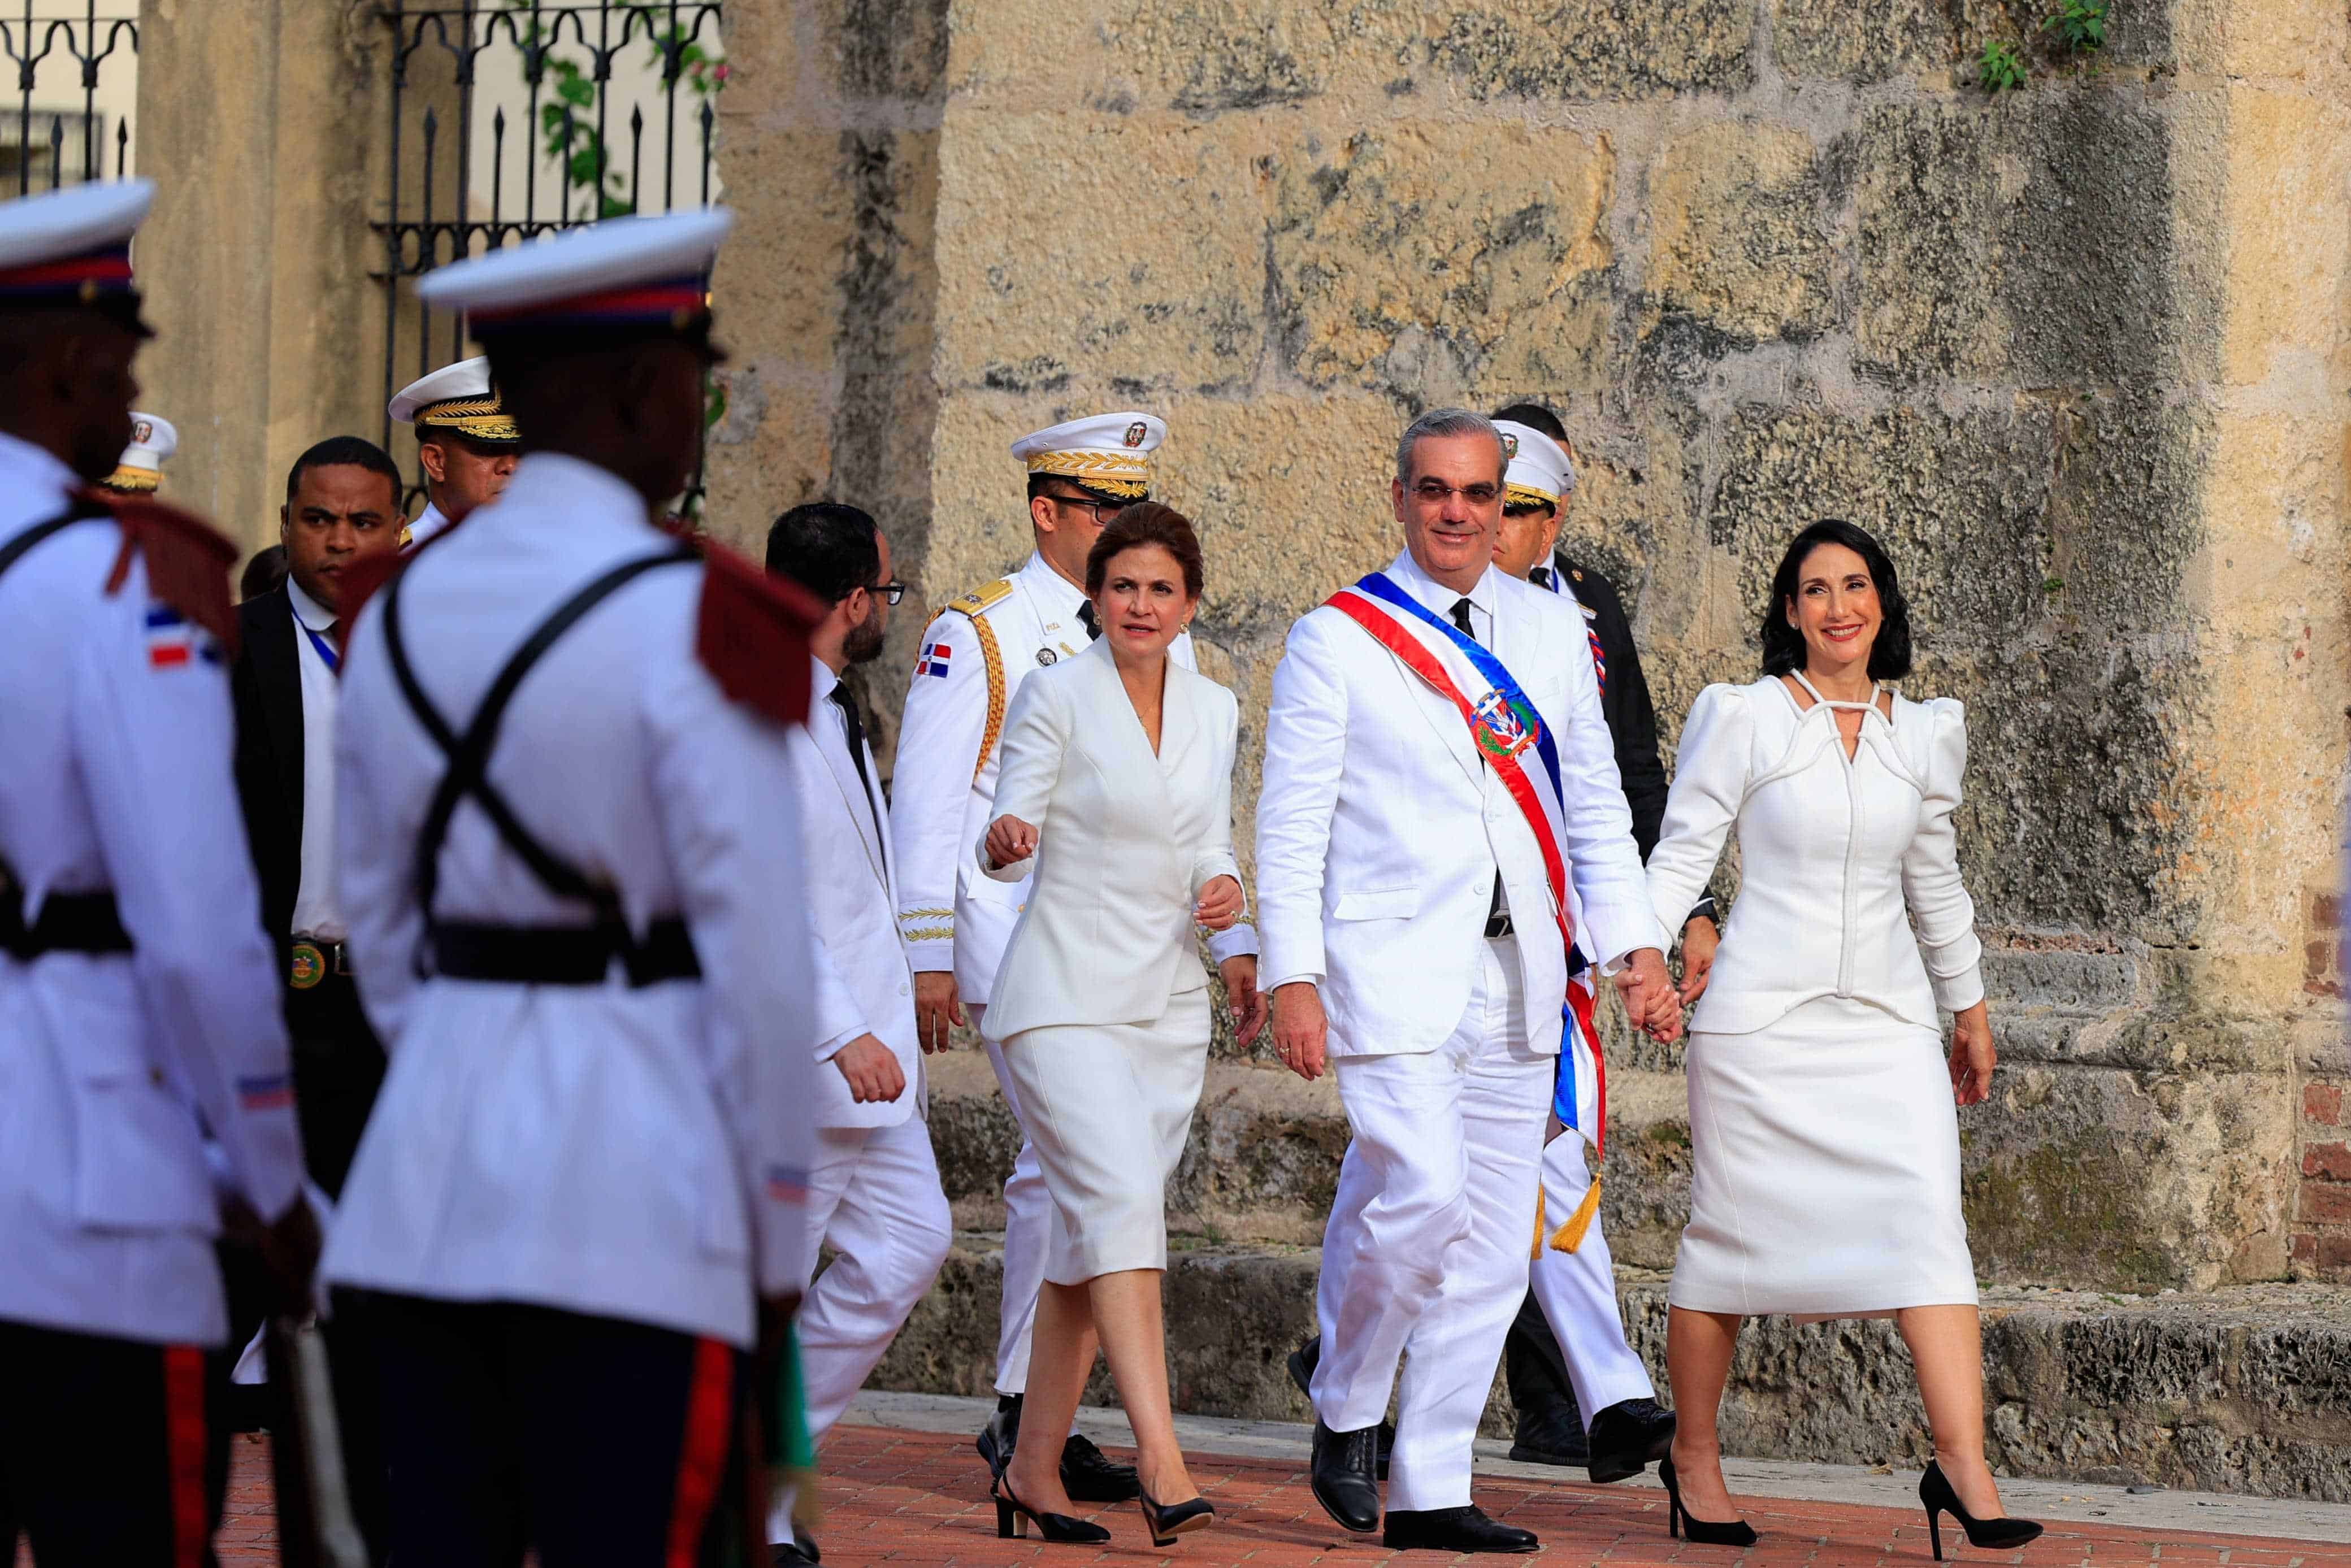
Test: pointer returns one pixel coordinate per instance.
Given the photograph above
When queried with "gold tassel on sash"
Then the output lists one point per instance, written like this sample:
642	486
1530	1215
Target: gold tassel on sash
1570	1235
1535	1250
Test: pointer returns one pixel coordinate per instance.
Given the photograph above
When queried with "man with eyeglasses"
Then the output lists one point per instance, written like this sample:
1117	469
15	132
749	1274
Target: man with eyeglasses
874	1192
954	921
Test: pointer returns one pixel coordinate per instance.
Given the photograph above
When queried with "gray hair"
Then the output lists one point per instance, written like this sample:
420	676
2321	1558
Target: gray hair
1440	423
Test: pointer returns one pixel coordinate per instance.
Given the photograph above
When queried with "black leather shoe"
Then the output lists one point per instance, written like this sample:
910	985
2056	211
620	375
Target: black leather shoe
1629	1437
1301	1363
1342	1476
1550	1433
787	1555
1464	1528
995	1439
1088	1477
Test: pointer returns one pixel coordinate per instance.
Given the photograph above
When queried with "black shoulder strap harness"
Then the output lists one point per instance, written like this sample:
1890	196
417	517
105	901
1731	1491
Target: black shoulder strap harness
69	922
526	955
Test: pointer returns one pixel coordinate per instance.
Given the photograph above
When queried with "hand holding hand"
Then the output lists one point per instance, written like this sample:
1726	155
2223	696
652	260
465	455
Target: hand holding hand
1700	937
1240	973
1650	1000
1972	1057
937	1007
1220	904
1299	1030
874	1074
1008	840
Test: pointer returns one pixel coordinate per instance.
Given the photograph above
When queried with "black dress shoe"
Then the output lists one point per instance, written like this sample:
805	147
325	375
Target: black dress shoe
1550	1433
1629	1437
1464	1528
1342	1477
1301	1363
1088	1477
995	1439
789	1555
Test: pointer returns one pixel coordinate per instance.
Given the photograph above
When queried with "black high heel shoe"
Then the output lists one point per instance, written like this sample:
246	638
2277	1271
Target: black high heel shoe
1165	1524
1701	1531
1014	1517
1935	1494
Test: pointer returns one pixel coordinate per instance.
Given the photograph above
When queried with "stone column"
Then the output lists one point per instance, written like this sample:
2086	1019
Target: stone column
264	125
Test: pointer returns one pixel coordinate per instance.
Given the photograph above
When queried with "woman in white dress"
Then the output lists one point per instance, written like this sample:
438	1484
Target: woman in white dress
1117	779
1822	1123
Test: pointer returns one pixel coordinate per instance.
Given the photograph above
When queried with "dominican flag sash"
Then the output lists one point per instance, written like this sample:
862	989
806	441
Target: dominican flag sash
1510	736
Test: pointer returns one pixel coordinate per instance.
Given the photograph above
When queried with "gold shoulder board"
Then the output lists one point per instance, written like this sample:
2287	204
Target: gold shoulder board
981	598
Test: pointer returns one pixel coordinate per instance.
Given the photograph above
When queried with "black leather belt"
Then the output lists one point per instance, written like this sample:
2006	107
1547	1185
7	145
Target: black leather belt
562	954
311	959
1497	923
69	923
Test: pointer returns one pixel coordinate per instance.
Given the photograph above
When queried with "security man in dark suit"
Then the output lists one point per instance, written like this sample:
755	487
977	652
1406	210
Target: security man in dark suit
1628	1429
342	506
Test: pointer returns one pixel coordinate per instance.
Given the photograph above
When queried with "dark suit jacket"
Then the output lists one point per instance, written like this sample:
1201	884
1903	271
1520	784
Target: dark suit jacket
1624	701
266	684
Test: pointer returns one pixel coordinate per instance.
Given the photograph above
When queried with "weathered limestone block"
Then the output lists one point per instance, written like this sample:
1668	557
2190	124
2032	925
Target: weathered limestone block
1481	246
1866	42
1605	49
1735	231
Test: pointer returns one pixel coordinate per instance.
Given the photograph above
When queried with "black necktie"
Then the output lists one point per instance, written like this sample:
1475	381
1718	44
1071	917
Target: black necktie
1086	618
847	706
1539	577
1497	913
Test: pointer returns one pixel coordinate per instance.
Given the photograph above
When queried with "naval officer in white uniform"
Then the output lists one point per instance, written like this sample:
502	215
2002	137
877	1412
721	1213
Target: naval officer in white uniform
874	1188
974	655
467	444
1421	954
572	872
137	1022
139	470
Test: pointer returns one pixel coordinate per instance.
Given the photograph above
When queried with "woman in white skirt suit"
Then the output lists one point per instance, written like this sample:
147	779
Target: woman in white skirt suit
1823	1121
1117	777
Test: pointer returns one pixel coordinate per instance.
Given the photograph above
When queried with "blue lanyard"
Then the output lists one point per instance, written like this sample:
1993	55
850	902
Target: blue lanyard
334	661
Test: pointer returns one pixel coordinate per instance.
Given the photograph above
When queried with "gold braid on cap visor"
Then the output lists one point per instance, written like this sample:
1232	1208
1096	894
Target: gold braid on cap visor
1527	495
1118	475
129	479
479	417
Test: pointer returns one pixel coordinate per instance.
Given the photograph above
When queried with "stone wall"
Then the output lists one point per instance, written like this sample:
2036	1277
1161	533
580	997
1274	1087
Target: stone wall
2077	353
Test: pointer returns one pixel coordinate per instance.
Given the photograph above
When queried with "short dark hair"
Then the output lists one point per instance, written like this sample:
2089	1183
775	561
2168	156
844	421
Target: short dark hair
265	571
346	452
1783	646
827	548
1146	523
1534	416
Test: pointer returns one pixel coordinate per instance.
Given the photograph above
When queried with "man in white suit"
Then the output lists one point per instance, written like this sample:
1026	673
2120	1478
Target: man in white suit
1441	814
873	1186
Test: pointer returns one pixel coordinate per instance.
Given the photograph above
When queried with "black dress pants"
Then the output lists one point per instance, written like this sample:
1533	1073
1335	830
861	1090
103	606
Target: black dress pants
596	1442
1535	1369
107	1455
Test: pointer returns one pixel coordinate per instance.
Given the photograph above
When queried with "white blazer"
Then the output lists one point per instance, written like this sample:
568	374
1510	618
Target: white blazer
863	983
1381	828
1125	843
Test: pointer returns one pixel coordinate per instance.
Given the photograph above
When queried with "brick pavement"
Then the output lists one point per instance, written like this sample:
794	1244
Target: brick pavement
896	1496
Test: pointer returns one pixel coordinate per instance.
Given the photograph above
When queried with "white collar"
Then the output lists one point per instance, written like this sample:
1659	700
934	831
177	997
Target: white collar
1061	596
1406	574
821	680
313	615
25	466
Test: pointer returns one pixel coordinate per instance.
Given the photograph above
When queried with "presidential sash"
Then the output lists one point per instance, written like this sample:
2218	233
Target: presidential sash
1510	736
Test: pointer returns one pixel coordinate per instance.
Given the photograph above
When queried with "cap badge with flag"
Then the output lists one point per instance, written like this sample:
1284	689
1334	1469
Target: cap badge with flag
1107	454
1541	472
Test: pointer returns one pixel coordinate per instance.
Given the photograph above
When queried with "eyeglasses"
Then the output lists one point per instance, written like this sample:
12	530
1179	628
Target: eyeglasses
889	592
1089	504
1434	493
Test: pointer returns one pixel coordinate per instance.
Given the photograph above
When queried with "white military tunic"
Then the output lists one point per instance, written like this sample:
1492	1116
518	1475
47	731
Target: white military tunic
637	1153
429	523
113	1067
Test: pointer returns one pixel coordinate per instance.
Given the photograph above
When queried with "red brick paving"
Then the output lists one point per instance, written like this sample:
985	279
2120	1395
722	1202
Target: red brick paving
920	1497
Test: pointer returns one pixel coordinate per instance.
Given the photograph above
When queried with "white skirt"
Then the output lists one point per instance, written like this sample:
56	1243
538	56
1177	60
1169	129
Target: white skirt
1825	1177
1108	1107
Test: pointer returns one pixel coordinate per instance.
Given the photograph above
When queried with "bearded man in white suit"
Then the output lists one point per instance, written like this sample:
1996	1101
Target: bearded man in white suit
1441	813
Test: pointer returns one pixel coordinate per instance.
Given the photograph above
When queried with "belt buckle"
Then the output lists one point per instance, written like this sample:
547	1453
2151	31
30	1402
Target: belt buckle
342	957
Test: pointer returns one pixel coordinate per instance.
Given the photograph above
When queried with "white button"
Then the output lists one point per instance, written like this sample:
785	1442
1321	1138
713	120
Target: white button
903	990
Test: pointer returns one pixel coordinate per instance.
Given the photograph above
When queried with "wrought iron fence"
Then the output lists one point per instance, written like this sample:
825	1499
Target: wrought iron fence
60	54
563	114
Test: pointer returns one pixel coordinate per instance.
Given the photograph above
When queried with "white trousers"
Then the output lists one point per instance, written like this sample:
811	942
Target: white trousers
1027	1232
1425	1258
874	1199
1577	1291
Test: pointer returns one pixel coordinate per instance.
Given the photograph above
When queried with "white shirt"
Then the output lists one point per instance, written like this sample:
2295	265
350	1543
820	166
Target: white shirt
631	1152
116	775
316	912
429	522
